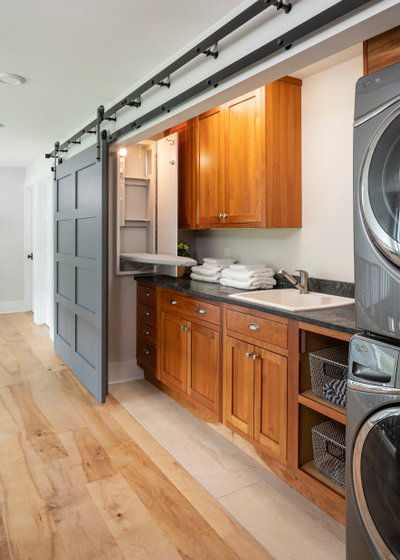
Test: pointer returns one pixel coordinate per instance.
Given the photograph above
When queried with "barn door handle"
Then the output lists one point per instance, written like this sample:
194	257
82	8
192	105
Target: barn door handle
30	256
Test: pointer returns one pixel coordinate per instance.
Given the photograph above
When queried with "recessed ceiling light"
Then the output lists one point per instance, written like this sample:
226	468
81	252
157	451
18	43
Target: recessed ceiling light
11	79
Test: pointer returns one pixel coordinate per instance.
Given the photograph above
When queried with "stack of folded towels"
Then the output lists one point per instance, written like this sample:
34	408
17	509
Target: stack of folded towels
210	270
248	276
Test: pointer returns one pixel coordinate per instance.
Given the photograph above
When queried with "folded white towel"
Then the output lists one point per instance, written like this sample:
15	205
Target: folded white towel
202	278
246	267
218	262
249	285
243	276
204	271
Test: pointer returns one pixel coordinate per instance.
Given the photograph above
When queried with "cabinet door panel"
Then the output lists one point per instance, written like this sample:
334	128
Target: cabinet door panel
210	174
238	385
270	401
204	376
244	167
187	174
174	351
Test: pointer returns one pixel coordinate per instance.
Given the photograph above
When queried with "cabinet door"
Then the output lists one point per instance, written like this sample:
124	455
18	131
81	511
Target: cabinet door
239	385
174	350
270	401
187	173
204	373
210	169
244	165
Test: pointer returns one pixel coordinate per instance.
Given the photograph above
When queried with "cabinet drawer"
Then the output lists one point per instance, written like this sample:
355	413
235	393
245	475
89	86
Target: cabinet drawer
147	315
193	307
146	355
147	333
146	294
256	327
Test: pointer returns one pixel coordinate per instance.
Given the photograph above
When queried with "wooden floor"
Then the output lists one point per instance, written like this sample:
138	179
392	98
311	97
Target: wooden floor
80	480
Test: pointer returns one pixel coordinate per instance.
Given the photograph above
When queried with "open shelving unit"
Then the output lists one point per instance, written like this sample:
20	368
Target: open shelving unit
308	410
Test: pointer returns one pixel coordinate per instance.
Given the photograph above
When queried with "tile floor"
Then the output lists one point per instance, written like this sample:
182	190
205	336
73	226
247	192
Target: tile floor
288	525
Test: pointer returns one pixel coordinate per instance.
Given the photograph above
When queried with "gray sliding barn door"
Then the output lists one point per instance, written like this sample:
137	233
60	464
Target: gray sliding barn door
80	307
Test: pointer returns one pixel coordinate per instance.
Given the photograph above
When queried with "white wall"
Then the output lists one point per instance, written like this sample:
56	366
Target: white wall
12	239
324	245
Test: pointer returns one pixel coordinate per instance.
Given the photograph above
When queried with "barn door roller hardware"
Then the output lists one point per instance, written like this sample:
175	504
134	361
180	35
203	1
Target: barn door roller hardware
284	41
134	98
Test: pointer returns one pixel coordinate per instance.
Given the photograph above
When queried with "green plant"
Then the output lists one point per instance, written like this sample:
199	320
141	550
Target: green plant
183	249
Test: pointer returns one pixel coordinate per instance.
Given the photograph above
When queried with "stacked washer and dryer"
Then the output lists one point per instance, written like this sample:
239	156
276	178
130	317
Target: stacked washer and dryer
373	397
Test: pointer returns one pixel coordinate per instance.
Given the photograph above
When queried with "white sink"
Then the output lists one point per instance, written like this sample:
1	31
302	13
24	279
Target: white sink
292	300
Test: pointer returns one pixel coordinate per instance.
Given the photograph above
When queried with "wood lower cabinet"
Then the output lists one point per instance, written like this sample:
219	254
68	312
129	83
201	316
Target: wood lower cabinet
146	329
190	348
255	388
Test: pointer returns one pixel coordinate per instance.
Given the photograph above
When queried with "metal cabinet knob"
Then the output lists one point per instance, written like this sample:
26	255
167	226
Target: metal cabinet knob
147	294
146	313
254	327
183	328
248	354
255	356
201	310
146	351
173	301
146	331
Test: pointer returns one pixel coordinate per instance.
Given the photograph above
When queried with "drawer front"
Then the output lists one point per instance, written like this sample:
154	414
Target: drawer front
146	315
147	333
173	302
146	355
146	294
260	329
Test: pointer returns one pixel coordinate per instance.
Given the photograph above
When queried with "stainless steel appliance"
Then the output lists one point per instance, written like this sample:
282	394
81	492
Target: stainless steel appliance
373	451
373	399
377	202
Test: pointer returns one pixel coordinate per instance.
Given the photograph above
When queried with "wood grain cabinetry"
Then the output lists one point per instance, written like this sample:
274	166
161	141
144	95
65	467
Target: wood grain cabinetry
146	328
189	348
382	50
255	379
307	409
247	167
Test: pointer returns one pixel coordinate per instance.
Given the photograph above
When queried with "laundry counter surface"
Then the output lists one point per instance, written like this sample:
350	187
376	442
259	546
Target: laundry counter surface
339	318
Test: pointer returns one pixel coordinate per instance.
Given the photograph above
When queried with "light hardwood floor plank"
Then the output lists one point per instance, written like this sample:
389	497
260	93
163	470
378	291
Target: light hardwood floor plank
81	480
38	430
137	533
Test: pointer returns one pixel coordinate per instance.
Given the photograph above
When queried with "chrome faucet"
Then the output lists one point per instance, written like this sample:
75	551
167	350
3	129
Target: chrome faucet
302	285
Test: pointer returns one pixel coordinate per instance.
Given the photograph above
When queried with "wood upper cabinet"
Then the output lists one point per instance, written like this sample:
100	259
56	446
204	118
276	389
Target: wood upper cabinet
382	50
210	153
247	170
244	184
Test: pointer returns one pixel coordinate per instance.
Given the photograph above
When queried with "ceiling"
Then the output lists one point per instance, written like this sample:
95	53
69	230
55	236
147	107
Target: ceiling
77	55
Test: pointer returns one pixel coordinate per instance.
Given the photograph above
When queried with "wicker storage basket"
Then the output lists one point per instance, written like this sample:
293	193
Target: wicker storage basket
329	448
328	369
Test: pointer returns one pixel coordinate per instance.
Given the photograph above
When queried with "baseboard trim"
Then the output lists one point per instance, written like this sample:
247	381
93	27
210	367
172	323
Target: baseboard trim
17	306
128	370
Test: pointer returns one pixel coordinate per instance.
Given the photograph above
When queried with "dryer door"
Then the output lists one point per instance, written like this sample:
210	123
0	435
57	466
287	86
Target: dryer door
380	188
376	479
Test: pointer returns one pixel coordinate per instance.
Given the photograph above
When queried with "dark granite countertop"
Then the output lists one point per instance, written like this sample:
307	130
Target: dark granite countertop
339	318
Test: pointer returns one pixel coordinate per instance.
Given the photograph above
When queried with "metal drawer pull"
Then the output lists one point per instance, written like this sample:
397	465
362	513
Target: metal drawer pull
146	313
222	215
147	294
201	310
146	331
248	354
255	356
254	327
173	301
146	351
